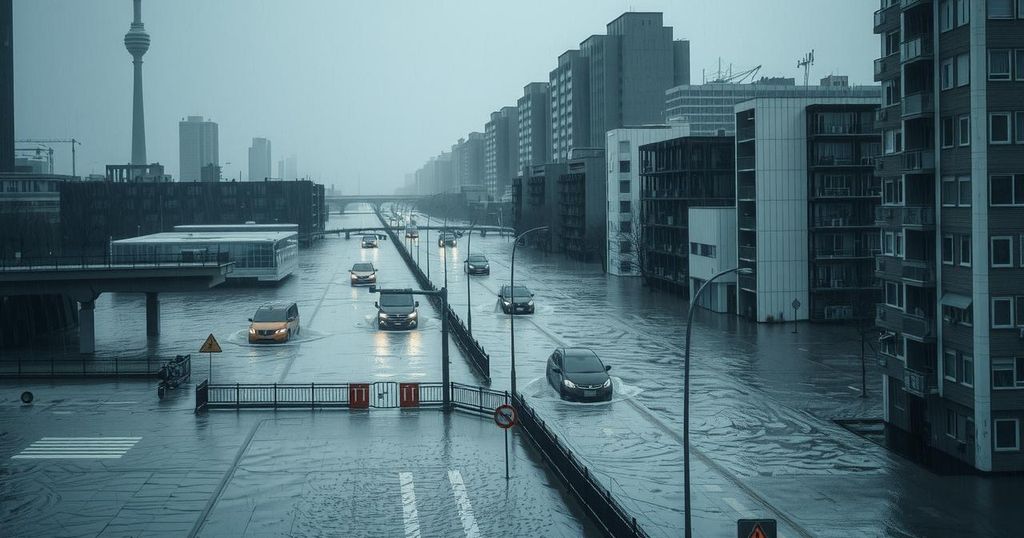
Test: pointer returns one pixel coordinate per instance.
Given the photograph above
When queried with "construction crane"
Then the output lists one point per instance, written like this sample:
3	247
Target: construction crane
726	77
71	141
806	63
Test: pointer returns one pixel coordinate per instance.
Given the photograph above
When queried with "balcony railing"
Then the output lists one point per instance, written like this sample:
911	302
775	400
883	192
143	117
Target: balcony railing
921	327
748	252
847	252
905	216
747	221
746	163
920	383
919	272
918	48
747	192
745	133
845	283
923	159
917	104
879	18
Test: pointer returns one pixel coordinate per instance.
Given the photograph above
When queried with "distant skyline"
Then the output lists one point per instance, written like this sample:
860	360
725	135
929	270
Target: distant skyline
362	89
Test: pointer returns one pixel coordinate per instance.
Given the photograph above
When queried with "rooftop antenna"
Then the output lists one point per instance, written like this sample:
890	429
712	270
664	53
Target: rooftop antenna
806	63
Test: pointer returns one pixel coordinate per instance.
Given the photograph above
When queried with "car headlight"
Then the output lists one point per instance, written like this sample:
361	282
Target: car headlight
382	315
353	275
471	266
607	383
506	303
413	315
487	267
252	330
529	303
568	384
281	331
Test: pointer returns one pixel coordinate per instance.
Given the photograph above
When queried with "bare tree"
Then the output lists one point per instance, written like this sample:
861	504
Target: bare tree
632	247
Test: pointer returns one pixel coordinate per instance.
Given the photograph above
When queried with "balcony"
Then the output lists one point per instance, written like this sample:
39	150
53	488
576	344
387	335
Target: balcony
886	67
907	4
918	105
746	192
919	48
889	165
920	328
744	134
847	253
917	272
748	252
921	217
747	162
855	221
920	384
840	284
919	160
747	222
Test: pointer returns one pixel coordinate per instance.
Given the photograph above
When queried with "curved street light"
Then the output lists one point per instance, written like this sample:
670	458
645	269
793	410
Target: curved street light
686	392
512	283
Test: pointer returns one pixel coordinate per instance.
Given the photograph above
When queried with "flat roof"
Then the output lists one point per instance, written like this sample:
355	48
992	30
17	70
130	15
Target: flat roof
236	227
207	237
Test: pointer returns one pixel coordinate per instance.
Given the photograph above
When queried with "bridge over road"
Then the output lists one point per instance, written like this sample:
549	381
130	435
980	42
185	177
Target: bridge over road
84	279
341	201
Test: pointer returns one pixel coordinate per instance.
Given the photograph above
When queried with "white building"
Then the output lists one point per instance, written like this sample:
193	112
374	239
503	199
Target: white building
713	249
622	152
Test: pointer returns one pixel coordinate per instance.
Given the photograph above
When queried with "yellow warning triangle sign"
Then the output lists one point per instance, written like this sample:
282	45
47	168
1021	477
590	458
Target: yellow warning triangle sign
210	345
756	533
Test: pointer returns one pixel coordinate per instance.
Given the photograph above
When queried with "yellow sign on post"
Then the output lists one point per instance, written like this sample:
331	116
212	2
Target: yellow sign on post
210	346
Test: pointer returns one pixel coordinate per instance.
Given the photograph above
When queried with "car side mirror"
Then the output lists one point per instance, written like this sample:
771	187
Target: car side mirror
417	303
531	295
556	370
291	318
607	368
250	320
376	305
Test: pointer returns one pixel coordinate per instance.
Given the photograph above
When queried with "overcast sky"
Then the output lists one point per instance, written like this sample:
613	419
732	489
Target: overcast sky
362	91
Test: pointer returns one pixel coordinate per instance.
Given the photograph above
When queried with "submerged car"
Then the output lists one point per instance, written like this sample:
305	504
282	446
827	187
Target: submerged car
477	264
397	311
579	375
446	240
274	323
363	273
516	300
369	241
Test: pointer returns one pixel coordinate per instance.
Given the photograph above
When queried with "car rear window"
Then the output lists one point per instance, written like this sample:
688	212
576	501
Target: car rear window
362	267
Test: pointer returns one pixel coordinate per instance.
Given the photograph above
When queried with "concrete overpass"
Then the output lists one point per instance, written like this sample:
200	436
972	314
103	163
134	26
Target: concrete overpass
85	281
339	201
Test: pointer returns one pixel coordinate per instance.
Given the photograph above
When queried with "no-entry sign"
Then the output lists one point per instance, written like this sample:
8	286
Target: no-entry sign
505	416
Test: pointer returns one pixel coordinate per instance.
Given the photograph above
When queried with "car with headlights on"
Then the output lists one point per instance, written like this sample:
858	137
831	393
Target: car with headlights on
274	323
397	311
369	241
579	375
446	240
477	264
363	273
516	300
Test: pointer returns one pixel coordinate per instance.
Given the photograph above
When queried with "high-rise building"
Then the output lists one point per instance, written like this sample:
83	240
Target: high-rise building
501	151
570	105
952	219
137	43
534	124
6	87
288	168
259	159
198	143
468	161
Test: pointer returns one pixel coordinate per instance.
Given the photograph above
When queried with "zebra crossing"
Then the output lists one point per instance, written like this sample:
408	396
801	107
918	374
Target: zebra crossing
77	448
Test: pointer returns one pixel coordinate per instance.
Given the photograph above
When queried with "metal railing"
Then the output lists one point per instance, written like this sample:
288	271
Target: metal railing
574	473
67	263
919	47
78	367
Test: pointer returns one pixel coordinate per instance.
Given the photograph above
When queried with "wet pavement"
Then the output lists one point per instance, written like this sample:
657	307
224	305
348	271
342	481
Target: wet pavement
763	398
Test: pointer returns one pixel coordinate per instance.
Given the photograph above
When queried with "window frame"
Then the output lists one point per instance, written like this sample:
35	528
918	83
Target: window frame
988	12
947	15
968	366
951	417
964	133
963	12
947	73
991	190
946	181
1000	76
960	181
992	251
995	435
950	122
947	356
965	253
1009	128
963	72
993	302
1018	127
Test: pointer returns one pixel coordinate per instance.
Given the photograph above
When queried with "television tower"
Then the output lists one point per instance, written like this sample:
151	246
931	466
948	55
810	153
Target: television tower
137	43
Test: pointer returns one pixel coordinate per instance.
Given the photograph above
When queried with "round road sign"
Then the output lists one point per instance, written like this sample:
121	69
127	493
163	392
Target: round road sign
505	416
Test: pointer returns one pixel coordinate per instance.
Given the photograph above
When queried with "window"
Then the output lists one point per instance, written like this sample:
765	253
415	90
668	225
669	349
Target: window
694	248
623	167
1002	251
1002	312
947	132
1007	433
1000	9
893	141
947	249
946	73
999	64
892	191
965	190
952	315
967	363
898	250
1006	190
963	70
950	423
1008	373
999	128
892	42
624	186
888	243
965	250
892	92
623	146
1020	57
624	206
963	12
965	130
1020	9
1018	127
946	15
626	227
894	294
625	247
949	191
949	365
625	266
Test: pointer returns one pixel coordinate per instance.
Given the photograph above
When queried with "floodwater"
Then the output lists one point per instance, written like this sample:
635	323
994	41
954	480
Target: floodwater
763	397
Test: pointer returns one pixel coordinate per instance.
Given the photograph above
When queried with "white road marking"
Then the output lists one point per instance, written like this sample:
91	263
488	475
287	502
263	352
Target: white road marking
853	388
409	513
78	448
739	508
712	488
465	507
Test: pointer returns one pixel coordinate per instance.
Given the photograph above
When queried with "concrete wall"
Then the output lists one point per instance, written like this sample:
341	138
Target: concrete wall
714	226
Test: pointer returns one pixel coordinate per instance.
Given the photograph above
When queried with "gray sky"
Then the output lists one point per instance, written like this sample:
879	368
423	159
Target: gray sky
366	89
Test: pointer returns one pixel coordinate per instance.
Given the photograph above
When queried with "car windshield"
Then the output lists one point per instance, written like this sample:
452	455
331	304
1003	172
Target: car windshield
369	238
362	267
396	299
476	259
519	292
582	363
271	313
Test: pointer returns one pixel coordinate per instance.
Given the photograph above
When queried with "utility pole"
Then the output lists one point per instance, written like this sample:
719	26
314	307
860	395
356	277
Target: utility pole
806	63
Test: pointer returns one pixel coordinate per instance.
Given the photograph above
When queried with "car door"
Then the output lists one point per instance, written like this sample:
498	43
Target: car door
554	361
293	314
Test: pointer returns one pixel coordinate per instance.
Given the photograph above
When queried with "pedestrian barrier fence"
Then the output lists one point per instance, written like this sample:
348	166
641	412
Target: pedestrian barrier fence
597	499
27	366
471	348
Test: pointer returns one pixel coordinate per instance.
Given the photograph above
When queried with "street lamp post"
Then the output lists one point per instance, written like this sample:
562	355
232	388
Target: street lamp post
444	255
469	300
686	393
446	398
512	283
428	246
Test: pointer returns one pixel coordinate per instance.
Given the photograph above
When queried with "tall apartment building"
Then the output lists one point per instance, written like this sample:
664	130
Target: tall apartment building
534	124
501	151
259	159
570	105
952	220
468	161
197	147
788	230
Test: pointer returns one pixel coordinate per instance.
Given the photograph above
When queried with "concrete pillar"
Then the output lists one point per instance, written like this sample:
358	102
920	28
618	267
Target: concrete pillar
86	327
152	314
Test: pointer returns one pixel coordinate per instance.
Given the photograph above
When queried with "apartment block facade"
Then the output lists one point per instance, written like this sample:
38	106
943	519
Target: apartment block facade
501	151
534	124
952	219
